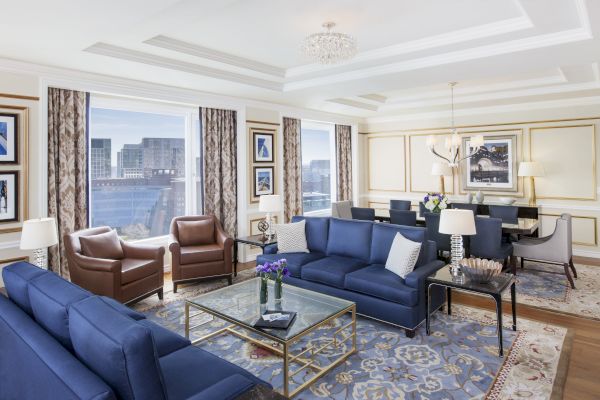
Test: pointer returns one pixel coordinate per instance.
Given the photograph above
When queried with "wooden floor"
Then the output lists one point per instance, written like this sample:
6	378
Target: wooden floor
583	374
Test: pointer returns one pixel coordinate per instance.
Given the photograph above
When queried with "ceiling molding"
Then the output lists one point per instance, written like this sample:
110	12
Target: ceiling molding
540	105
374	97
195	50
355	104
164	62
458	36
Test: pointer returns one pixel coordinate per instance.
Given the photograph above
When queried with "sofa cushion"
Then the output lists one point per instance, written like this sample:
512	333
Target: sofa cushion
16	280
291	238
350	238
317	232
123	309
102	245
331	270
166	341
192	233
134	269
51	297
34	365
377	281
201	253
181	384
118	349
295	261
383	237
228	389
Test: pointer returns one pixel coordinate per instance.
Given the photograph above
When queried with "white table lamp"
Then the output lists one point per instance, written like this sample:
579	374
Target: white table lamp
441	169
457	222
531	169
269	203
37	235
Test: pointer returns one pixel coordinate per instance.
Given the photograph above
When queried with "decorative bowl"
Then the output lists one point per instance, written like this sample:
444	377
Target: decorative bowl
480	270
506	200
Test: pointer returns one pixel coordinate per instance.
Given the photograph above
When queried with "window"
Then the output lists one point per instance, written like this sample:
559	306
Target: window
139	174
318	166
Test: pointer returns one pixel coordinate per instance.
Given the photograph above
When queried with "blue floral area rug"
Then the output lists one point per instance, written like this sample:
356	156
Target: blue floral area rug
546	286
458	361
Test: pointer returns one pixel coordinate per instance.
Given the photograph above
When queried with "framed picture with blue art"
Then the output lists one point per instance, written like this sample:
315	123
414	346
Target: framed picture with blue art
9	139
263	147
9	196
263	180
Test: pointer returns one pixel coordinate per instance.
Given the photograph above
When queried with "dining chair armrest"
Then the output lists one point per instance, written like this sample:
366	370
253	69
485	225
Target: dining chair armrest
142	251
416	279
97	264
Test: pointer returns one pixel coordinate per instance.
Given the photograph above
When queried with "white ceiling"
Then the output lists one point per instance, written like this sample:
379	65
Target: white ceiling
500	51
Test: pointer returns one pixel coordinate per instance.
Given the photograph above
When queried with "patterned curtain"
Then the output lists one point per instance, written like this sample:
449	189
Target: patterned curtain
292	169
219	154
67	168
343	151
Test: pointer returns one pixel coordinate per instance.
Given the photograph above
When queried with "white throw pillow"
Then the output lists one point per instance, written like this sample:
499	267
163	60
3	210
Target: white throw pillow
291	238
403	256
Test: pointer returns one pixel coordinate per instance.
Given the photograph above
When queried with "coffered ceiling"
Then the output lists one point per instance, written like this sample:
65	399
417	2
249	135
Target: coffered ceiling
500	51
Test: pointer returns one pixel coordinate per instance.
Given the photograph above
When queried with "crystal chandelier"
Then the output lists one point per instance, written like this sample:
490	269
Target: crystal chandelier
452	143
329	47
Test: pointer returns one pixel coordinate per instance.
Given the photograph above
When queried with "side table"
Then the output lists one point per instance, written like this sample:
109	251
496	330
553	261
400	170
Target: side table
252	240
494	289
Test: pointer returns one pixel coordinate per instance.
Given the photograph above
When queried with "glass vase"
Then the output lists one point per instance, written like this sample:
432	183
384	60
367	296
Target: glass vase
278	290
264	291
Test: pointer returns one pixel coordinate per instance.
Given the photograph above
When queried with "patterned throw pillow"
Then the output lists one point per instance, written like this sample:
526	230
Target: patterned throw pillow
291	238
403	256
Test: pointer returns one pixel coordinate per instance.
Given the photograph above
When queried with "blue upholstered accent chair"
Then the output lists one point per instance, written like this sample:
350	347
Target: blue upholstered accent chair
432	224
400	205
465	206
422	209
362	213
508	214
487	243
403	217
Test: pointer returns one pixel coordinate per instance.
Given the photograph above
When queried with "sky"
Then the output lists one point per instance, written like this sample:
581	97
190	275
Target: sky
130	127
315	145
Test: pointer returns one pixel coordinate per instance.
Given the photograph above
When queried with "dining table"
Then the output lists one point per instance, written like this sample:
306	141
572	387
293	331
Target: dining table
523	226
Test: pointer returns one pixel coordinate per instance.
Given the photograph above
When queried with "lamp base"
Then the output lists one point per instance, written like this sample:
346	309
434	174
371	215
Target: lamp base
457	253
39	258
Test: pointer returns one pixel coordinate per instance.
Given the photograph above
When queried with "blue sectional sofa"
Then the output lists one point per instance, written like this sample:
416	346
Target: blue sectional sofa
347	260
58	341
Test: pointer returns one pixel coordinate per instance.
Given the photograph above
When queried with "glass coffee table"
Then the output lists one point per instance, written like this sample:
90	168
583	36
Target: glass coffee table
240	307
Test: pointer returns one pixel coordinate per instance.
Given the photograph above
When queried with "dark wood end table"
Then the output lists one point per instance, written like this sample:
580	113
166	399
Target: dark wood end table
252	240
494	289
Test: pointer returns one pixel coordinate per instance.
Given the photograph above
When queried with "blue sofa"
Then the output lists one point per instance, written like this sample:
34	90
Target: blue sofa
58	341
347	260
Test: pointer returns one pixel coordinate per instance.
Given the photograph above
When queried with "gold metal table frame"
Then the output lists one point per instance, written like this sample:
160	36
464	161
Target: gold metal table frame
306	357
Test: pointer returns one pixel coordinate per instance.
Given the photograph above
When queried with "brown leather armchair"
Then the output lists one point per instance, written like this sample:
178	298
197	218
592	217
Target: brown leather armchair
200	249
139	273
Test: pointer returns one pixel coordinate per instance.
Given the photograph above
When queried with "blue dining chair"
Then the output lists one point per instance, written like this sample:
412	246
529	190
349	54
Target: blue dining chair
487	243
400	205
508	214
432	231
363	213
465	206
422	209
403	217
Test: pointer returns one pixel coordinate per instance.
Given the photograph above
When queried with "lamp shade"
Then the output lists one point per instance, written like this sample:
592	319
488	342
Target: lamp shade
531	168
38	233
269	203
441	169
457	222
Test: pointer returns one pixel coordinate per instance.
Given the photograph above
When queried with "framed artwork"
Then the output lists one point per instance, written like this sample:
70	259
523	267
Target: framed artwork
9	138
263	147
9	196
263	180
494	168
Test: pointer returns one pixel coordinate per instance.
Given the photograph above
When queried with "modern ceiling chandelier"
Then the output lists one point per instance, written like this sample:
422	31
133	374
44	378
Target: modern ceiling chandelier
452	143
329	47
